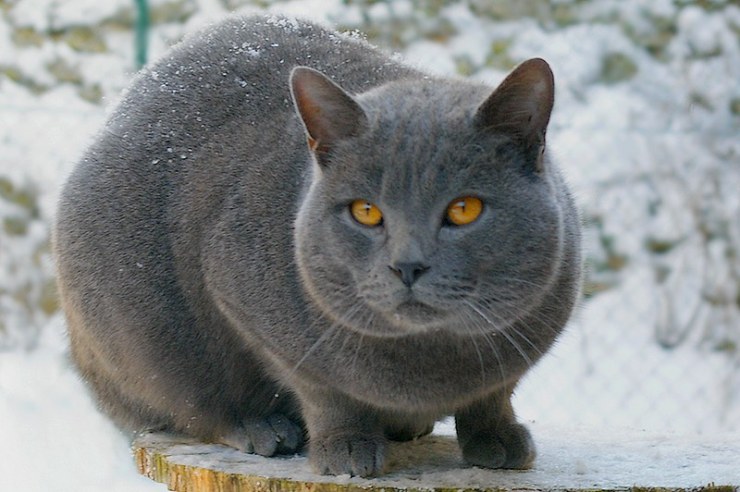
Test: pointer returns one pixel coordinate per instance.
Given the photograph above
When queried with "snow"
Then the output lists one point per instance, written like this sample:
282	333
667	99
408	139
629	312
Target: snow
55	14
653	155
52	437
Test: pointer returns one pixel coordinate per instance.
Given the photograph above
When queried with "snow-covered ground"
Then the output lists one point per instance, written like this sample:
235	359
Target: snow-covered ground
646	126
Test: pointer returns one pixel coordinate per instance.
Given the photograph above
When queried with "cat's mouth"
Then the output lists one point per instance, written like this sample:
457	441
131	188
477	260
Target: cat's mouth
416	314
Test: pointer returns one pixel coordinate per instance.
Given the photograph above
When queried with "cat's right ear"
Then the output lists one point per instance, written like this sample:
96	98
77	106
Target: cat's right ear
328	113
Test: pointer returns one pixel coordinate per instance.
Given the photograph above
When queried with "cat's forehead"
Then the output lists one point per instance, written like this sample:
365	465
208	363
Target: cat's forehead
423	101
423	141
425	177
416	165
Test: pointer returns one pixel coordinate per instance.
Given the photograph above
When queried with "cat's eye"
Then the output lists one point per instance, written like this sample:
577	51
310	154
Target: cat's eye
366	213
464	210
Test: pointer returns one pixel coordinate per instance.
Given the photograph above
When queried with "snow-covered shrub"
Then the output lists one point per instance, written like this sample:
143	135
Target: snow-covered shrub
27	290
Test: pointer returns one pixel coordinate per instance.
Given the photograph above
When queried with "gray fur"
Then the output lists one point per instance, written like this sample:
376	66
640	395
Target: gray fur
215	283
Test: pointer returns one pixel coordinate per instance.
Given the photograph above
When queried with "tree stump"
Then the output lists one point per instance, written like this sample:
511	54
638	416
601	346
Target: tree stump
569	461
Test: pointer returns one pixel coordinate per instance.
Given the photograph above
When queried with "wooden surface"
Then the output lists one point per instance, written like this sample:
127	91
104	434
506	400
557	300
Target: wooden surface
569	461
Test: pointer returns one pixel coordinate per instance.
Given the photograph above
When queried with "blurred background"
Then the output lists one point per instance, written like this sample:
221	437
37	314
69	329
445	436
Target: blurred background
646	127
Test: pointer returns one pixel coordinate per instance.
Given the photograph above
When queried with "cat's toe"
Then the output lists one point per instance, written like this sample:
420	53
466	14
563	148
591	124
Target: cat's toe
288	434
275	434
354	455
509	447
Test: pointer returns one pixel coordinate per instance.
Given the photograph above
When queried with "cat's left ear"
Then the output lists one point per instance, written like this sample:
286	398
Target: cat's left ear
521	106
328	113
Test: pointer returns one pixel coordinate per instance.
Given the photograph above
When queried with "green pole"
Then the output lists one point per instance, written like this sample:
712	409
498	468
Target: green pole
142	32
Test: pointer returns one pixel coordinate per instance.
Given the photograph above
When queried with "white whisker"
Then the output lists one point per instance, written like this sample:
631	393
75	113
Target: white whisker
502	332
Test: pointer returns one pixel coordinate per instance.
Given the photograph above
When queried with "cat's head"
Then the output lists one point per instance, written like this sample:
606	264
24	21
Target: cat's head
432	203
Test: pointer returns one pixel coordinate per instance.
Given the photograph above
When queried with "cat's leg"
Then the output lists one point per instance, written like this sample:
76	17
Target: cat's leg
490	436
345	436
270	422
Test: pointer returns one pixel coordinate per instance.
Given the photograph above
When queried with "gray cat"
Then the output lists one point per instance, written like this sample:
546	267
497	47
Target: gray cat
255	252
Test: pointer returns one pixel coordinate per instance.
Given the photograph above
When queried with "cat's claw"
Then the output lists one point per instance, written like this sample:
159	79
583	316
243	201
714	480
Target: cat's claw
508	447
267	436
354	455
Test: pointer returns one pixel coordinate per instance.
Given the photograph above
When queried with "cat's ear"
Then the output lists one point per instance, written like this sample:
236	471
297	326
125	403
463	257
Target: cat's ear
329	114
521	105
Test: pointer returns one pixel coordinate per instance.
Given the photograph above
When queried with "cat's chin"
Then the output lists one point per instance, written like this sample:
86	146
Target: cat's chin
415	317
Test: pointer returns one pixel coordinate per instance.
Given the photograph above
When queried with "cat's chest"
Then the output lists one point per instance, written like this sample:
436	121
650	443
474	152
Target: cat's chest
417	374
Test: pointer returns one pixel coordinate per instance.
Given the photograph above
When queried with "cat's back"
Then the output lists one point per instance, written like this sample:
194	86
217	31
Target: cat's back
238	70
206	111
234	72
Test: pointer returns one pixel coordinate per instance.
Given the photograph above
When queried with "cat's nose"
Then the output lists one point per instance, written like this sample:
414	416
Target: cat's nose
408	272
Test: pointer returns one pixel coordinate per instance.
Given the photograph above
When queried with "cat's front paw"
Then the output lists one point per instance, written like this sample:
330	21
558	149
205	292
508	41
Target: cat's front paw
356	455
267	436
509	446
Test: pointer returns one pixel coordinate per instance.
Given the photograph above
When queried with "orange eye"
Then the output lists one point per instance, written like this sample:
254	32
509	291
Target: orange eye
366	213
464	210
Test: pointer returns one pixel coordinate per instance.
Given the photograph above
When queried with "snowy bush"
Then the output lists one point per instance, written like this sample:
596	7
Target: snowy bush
27	293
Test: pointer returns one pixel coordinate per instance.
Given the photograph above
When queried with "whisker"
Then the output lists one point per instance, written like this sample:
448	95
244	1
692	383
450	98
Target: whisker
501	331
517	332
314	346
522	281
329	332
357	354
490	341
480	359
519	315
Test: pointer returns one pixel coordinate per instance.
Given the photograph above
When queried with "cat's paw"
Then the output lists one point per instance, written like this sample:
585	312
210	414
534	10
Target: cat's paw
356	455
509	446
267	436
